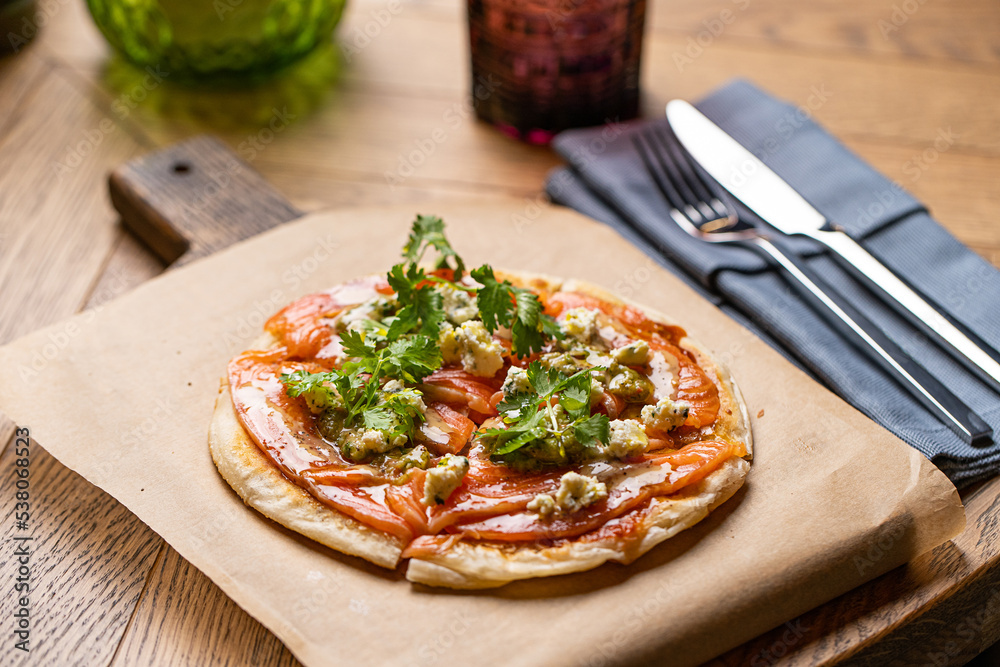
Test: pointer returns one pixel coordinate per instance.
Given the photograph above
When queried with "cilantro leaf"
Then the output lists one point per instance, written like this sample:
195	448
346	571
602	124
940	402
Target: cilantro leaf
311	386
356	345
378	418
302	382
518	405
365	405
422	307
496	305
526	330
531	416
503	304
376	332
428	231
316	389
513	438
544	381
575	396
593	430
550	327
412	358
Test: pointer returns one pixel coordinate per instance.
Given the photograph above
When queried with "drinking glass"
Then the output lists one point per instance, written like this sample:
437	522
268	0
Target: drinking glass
542	66
215	39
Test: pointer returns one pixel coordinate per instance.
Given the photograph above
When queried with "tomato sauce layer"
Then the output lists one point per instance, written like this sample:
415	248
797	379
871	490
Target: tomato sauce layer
491	503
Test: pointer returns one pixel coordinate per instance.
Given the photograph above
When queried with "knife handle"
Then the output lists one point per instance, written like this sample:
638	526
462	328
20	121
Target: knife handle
921	384
912	306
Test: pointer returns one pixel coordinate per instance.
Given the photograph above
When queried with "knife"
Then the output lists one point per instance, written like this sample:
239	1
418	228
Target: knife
770	197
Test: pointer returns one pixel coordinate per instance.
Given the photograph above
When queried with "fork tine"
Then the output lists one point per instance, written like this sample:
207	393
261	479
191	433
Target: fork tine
659	166
675	165
654	165
709	203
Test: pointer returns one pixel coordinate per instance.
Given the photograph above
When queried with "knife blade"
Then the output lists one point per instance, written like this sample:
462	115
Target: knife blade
777	203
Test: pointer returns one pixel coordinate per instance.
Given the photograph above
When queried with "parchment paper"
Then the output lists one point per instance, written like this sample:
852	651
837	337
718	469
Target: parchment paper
832	499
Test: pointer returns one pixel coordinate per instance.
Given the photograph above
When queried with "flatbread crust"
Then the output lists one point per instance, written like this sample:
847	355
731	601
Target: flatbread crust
482	565
262	486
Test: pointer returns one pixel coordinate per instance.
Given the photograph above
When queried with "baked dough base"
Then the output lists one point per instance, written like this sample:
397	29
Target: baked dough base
262	486
469	565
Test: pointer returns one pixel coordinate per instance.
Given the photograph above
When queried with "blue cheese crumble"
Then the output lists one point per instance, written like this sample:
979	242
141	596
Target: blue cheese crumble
544	505
516	381
628	438
444	478
459	306
372	310
471	345
412	397
581	324
575	492
667	414
418	457
318	400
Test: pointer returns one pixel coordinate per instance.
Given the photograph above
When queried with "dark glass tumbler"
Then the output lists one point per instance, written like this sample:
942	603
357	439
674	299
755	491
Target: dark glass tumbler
542	66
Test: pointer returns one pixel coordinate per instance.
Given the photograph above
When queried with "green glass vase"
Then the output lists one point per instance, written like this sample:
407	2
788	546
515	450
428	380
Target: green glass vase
211	40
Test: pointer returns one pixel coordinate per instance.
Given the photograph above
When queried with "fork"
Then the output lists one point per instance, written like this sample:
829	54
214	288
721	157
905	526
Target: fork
706	213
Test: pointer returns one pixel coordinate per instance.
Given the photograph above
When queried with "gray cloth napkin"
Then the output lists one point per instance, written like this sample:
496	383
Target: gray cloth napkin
606	180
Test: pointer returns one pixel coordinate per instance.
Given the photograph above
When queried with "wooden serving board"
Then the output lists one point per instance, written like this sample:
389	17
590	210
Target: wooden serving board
197	197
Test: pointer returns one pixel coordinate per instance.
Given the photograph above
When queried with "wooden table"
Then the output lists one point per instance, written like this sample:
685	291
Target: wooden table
912	87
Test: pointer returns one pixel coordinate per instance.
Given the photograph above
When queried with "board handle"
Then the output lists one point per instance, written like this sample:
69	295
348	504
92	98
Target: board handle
196	197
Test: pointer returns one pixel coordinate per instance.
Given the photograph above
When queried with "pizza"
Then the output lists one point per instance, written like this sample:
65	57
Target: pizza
482	426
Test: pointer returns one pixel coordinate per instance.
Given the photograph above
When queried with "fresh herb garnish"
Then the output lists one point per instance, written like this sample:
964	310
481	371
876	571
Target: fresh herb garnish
427	231
422	308
409	359
532	416
404	346
359	399
503	304
336	389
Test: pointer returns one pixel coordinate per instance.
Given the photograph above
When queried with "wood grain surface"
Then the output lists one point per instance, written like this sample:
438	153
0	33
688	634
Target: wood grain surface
358	112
